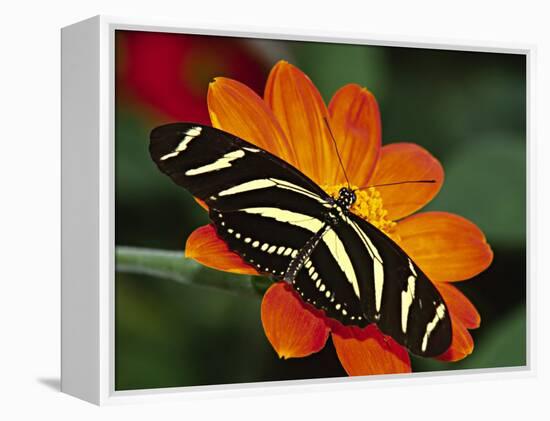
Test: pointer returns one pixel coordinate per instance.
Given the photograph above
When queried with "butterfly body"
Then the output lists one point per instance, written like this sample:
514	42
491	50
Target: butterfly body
284	225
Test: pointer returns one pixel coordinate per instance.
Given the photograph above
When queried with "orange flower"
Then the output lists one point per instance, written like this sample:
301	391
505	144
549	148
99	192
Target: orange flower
289	122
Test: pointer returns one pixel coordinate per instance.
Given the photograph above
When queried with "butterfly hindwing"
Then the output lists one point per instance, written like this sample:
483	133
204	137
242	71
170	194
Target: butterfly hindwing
263	242
329	283
407	306
358	275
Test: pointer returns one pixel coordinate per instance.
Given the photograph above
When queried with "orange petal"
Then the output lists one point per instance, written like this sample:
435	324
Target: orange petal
461	308
293	329
445	246
367	351
237	109
406	162
301	112
464	316
461	346
355	122
202	203
205	247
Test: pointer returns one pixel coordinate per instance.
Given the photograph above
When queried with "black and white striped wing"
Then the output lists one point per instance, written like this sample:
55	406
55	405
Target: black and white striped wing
358	275
407	306
267	211
262	207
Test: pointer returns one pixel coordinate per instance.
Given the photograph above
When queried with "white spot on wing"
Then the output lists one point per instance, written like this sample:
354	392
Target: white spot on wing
264	183
377	263
223	162
407	298
338	251
190	135
411	267
293	218
439	314
248	186
194	131
169	155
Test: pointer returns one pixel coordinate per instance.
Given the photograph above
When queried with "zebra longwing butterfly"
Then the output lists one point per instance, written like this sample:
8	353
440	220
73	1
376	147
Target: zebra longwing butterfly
284	225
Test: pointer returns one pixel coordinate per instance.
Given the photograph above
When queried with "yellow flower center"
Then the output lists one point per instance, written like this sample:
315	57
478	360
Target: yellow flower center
368	206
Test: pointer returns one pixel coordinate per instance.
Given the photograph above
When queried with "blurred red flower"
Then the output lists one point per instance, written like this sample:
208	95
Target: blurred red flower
168	74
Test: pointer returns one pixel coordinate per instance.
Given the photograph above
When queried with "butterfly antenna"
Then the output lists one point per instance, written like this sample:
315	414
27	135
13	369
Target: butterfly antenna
337	152
398	182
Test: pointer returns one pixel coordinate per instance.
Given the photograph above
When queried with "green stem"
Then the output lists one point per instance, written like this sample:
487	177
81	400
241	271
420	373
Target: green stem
174	266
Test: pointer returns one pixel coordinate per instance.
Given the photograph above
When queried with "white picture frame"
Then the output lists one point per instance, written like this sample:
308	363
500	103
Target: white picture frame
88	213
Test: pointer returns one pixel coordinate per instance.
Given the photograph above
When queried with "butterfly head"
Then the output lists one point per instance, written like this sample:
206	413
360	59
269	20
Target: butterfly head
346	197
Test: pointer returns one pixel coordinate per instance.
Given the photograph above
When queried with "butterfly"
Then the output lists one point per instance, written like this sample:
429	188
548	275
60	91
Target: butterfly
284	225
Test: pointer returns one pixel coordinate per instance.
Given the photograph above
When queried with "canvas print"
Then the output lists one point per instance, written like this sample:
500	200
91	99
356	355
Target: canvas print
292	210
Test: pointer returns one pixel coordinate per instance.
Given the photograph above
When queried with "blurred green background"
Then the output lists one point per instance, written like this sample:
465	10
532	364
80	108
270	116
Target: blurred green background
468	109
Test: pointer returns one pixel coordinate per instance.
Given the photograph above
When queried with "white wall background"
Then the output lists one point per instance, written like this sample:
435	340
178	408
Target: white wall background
30	221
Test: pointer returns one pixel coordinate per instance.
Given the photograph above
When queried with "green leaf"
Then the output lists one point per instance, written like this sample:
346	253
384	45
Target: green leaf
174	266
504	345
322	62
485	182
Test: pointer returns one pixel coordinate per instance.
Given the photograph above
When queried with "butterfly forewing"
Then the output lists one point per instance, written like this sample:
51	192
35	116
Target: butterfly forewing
268	212
209	162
